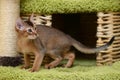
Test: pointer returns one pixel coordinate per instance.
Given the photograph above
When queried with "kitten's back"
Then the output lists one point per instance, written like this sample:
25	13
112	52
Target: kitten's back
52	37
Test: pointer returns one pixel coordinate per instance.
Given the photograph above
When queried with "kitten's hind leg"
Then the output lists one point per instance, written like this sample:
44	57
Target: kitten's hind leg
70	56
57	60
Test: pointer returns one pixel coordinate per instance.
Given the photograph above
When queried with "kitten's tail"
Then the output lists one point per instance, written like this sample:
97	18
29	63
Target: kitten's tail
88	50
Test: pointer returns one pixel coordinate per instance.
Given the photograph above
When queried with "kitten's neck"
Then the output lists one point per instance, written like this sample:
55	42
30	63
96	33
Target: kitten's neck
23	38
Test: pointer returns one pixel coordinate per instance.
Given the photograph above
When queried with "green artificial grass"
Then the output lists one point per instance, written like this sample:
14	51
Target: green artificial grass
82	70
69	6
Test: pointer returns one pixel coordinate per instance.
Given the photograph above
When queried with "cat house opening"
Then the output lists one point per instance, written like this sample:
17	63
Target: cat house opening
81	26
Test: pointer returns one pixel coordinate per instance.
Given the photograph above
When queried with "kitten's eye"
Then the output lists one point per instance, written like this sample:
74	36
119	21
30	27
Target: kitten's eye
35	28
29	30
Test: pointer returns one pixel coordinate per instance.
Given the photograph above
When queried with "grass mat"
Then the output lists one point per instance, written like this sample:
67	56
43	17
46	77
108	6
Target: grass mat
82	70
68	6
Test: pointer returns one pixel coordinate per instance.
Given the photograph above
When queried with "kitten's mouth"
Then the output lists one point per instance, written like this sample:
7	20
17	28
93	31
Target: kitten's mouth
32	36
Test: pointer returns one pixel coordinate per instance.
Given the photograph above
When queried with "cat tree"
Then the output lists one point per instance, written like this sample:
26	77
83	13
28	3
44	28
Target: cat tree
10	10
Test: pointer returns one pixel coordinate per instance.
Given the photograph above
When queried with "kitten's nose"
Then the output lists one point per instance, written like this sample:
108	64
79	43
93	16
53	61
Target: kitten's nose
35	33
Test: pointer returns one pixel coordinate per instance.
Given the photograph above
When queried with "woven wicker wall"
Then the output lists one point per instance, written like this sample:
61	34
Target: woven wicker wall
108	26
39	19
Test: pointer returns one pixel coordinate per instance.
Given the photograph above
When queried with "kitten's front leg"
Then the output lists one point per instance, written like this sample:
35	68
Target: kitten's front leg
37	62
26	61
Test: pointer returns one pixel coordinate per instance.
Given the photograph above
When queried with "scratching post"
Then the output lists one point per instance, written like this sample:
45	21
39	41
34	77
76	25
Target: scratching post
9	11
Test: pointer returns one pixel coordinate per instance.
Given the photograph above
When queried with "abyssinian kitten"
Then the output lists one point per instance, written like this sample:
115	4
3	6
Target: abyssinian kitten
40	40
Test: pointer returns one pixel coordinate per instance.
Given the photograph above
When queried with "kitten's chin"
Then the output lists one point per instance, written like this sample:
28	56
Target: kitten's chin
32	37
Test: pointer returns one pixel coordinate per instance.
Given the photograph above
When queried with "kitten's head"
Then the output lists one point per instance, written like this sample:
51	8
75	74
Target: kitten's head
26	28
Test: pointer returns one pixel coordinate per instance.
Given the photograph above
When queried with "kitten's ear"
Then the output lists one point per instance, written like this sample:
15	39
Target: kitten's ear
19	24
31	17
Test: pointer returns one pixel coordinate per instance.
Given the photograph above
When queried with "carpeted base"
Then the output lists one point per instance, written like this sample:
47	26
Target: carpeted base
10	61
82	70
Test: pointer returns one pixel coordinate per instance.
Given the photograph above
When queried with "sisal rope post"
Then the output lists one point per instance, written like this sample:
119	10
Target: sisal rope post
9	12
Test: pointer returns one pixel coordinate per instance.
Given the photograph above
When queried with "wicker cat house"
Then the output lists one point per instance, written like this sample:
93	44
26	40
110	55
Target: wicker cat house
106	15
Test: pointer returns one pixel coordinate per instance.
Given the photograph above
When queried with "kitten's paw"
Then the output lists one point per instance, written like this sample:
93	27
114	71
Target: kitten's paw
25	67
66	66
48	66
33	70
